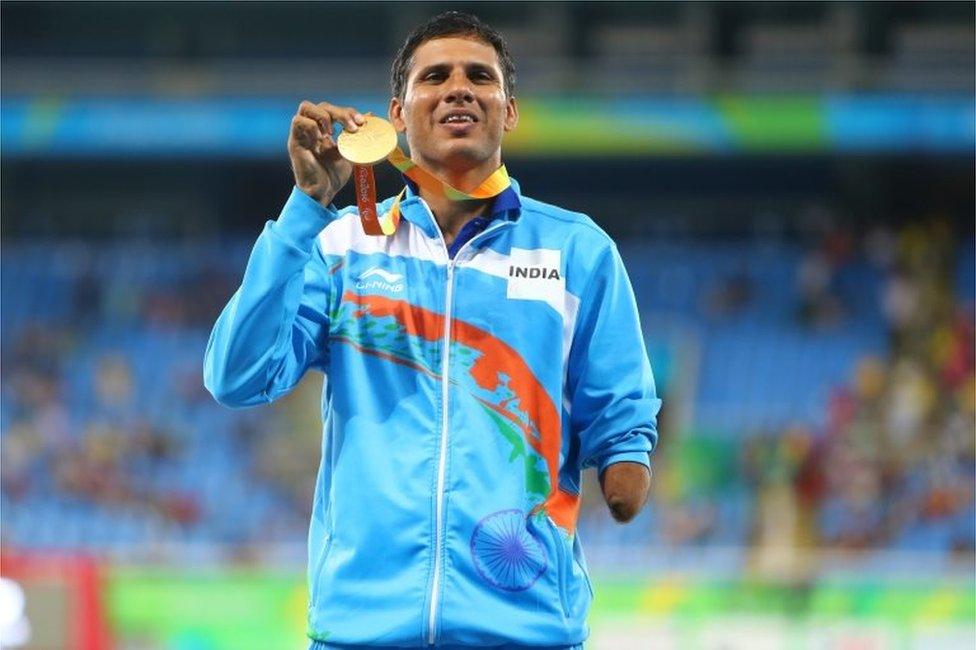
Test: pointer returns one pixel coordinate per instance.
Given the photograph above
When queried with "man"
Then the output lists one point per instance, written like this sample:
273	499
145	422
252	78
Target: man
476	360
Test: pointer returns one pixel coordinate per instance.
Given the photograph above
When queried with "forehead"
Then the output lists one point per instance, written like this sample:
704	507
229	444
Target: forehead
454	50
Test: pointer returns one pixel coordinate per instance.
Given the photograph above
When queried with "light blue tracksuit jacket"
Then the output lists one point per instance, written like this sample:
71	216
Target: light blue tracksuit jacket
463	397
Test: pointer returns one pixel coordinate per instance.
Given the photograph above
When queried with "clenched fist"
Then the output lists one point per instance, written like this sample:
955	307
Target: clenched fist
319	170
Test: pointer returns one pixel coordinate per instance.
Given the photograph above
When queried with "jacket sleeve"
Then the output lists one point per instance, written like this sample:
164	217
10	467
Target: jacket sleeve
613	400
276	325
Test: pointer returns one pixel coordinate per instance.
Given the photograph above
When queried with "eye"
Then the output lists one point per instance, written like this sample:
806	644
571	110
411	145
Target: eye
433	76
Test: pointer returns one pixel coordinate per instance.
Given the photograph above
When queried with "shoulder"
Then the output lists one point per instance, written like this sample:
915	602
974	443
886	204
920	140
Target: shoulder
555	216
586	249
572	231
347	218
548	215
345	234
340	235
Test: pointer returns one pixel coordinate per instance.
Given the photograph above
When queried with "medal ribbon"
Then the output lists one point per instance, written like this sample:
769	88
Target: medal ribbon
386	224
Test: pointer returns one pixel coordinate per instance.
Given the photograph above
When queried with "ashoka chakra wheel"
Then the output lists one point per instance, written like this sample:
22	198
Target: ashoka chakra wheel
505	553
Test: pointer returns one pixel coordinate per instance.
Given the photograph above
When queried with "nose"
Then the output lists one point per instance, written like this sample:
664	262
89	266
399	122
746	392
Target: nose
459	90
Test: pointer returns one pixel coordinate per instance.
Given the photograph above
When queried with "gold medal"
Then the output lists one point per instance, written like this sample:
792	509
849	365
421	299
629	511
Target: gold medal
373	142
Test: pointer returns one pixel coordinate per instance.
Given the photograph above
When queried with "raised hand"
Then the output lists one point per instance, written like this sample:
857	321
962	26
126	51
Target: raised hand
319	170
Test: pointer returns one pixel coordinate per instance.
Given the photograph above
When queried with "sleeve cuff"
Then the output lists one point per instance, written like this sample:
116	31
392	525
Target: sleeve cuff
303	218
641	457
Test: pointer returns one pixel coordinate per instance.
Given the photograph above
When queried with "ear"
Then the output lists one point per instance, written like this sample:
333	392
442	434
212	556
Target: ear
511	115
396	115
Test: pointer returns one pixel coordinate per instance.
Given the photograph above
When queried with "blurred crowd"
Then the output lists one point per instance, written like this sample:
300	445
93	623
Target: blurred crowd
105	417
895	465
99	458
103	408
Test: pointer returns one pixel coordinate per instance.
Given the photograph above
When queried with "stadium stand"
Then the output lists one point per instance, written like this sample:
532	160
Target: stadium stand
112	445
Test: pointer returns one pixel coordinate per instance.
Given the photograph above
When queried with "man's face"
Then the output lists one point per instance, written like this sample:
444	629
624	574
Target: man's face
454	109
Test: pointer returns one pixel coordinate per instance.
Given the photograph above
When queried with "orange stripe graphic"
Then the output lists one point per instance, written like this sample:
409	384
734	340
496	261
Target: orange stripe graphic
496	357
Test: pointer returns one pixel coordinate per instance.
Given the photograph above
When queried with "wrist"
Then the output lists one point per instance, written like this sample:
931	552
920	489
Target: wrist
303	218
317	193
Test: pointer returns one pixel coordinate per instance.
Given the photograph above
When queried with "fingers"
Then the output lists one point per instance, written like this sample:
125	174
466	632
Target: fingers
325	114
307	132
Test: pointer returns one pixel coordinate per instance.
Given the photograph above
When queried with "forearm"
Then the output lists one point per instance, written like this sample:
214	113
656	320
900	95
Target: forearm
251	346
625	488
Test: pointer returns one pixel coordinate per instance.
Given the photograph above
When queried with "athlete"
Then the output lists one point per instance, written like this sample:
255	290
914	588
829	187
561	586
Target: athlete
477	360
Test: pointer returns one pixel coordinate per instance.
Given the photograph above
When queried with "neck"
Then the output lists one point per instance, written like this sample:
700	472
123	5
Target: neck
461	174
452	215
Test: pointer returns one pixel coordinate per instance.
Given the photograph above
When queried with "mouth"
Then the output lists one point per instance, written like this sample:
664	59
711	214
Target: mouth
458	119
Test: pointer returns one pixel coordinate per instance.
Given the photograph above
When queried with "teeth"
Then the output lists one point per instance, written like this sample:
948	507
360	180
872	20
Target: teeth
459	118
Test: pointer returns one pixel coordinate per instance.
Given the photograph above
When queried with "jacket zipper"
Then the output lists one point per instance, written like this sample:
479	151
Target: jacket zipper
442	459
435	587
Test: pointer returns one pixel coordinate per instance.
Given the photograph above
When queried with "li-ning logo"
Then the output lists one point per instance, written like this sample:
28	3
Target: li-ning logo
384	280
533	272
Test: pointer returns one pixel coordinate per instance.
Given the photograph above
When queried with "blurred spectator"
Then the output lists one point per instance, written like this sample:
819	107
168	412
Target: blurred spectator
881	247
689	522
730	295
819	305
902	304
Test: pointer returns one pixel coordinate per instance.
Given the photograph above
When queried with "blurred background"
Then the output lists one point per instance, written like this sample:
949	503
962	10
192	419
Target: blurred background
791	185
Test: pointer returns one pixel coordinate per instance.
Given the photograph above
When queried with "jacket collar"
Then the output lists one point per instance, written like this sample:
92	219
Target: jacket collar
507	206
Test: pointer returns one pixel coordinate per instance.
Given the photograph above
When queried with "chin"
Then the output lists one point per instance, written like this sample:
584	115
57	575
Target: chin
462	152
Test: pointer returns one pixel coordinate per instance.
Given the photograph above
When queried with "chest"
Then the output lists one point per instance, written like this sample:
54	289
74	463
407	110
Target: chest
510	307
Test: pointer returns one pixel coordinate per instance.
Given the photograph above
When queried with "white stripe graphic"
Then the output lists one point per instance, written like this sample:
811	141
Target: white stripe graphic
346	234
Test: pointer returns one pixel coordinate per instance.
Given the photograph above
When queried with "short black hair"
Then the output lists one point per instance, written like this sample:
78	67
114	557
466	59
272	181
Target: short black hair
451	23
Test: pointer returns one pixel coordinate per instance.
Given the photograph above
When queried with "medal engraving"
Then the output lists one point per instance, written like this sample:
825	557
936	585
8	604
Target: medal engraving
372	143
